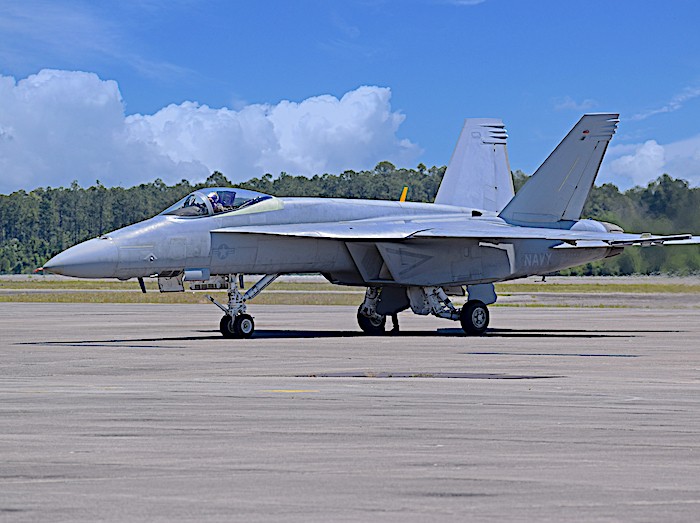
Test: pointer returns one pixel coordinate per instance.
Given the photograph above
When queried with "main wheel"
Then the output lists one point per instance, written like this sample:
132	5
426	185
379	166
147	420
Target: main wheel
243	325
371	325
474	317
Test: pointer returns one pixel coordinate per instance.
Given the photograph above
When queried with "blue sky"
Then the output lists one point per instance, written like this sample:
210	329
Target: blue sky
129	91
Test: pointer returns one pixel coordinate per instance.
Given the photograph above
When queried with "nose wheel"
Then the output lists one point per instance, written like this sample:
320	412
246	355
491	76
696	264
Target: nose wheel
236	323
239	326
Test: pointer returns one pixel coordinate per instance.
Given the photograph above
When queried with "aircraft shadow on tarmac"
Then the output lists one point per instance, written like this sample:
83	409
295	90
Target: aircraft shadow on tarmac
271	334
446	333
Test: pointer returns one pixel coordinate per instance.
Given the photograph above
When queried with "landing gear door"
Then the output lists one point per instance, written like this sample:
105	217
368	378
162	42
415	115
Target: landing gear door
171	283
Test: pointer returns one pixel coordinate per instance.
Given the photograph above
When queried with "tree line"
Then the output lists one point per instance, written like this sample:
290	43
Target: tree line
38	224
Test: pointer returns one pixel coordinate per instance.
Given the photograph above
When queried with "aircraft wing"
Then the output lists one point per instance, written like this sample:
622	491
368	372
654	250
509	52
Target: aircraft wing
376	230
486	230
571	238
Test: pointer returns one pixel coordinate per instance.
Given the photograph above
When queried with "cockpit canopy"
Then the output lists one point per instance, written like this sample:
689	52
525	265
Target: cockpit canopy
215	200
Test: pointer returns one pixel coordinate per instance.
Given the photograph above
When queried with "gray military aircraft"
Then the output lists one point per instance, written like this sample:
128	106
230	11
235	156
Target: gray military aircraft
406	254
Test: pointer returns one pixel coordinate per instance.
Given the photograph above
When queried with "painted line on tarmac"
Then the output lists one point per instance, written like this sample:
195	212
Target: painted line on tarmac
289	391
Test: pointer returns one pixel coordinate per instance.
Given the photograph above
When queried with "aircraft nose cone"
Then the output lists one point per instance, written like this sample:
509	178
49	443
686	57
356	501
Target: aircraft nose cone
95	258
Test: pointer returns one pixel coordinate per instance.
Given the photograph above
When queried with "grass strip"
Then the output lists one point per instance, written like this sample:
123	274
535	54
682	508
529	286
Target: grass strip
300	298
501	288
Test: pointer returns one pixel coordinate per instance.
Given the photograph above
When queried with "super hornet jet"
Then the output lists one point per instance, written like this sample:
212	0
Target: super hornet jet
407	255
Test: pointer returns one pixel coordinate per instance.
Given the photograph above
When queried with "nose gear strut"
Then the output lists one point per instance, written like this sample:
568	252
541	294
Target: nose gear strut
236	323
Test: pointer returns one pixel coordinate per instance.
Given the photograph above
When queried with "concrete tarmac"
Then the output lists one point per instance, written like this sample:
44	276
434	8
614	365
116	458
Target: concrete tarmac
145	413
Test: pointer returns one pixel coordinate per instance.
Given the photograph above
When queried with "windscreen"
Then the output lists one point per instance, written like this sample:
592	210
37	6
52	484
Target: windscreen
215	200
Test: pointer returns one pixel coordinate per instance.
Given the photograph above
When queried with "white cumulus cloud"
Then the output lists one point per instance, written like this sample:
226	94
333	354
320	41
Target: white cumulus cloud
643	163
638	164
59	126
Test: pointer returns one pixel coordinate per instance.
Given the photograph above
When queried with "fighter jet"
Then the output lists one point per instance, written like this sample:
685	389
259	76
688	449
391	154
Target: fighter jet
407	255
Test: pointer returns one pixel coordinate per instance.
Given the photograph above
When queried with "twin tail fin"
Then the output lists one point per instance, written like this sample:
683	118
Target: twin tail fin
478	175
559	188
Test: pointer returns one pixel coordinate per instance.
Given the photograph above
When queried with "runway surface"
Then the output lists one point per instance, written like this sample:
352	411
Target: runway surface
144	412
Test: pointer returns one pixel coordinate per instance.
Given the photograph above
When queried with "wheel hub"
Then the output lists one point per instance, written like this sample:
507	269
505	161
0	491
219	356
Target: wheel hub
478	318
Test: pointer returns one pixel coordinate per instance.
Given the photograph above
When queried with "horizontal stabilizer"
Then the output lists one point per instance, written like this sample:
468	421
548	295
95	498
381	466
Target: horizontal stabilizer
693	240
650	239
633	239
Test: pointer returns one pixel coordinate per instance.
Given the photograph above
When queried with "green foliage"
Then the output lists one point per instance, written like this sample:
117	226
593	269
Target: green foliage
384	182
36	225
519	179
664	206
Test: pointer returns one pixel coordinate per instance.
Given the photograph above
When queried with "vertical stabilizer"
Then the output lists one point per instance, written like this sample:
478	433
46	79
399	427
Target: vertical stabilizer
559	188
478	175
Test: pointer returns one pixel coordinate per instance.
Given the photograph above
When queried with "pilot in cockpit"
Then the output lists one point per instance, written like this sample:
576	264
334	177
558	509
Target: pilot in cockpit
215	202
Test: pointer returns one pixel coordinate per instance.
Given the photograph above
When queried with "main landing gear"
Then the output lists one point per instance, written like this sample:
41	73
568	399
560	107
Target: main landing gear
473	316
369	320
371	325
236	323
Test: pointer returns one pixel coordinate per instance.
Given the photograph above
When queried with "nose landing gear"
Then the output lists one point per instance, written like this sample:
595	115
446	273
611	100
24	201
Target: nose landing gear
236	323
239	326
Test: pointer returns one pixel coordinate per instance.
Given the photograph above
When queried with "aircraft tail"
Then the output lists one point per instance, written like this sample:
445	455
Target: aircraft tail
478	175
559	188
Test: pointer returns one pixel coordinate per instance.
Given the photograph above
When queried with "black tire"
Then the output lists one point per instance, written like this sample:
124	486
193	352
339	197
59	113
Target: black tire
370	326
474	317
243	325
226	327
240	326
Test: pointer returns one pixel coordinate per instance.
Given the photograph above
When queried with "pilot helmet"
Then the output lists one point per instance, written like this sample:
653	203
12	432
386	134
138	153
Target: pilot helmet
214	197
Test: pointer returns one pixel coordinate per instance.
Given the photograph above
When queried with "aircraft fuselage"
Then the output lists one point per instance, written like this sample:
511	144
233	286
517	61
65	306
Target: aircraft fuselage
170	244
